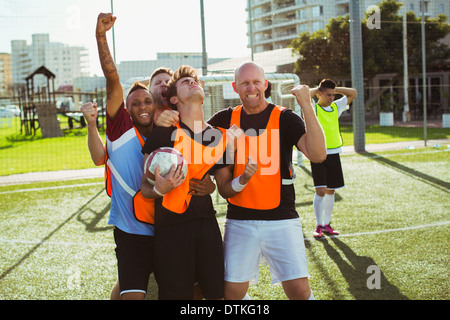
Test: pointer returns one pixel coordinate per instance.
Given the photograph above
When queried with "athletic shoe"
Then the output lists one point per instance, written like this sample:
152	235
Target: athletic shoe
328	229
318	232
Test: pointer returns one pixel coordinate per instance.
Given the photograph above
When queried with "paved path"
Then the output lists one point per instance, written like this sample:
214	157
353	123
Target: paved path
52	176
98	172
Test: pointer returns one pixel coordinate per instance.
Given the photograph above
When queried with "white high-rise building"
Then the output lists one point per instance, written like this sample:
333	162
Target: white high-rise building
66	62
275	23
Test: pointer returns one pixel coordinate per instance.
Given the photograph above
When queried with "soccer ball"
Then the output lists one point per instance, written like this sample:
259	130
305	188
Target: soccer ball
164	158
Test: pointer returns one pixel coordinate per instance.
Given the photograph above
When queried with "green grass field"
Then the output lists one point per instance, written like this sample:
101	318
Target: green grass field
393	216
21	153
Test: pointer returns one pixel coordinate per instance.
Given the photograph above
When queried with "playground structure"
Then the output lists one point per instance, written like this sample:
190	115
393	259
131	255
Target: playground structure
40	106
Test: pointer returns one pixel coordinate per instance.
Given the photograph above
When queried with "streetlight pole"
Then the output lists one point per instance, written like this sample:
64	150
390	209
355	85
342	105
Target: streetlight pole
113	37
250	30
357	77
204	54
406	114
424	77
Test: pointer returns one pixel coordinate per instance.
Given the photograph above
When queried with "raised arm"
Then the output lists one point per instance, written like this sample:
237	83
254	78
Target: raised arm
95	143
114	90
313	91
349	92
312	143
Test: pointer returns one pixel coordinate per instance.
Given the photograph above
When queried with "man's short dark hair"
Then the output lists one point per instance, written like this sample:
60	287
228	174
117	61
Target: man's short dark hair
159	71
136	86
327	84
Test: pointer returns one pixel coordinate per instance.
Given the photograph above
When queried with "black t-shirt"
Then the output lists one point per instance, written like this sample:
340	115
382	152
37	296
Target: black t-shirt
292	128
199	206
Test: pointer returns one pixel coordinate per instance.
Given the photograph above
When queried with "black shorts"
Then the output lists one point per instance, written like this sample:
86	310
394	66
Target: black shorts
186	253
134	254
328	173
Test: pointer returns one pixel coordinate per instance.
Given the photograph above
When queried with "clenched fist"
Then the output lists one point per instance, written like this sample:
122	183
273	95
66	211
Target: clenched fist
90	113
105	22
301	92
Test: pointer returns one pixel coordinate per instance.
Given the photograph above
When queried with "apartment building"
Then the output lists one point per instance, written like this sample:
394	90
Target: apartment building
275	23
66	62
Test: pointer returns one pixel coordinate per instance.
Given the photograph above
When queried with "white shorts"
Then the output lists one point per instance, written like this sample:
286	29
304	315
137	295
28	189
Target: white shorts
280	242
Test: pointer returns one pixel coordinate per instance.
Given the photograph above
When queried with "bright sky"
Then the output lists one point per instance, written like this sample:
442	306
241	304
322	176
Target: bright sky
143	27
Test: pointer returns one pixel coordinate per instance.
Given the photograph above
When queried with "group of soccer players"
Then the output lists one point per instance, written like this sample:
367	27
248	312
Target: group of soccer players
170	227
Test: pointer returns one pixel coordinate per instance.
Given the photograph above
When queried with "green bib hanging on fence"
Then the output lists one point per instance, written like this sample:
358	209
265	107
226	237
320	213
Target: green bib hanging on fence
330	124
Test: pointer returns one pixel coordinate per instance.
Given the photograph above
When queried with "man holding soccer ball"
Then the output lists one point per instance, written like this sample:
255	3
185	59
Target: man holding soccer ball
188	242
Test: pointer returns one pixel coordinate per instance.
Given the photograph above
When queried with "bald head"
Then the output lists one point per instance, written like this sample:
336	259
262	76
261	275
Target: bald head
250	84
247	66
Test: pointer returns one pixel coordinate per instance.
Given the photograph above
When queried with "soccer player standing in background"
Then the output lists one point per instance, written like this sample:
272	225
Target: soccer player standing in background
328	175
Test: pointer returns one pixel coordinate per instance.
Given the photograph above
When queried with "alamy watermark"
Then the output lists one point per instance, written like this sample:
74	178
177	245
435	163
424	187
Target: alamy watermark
73	278
374	20
374	280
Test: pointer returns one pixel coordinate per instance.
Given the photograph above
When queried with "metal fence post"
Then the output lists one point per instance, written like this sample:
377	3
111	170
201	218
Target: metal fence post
357	76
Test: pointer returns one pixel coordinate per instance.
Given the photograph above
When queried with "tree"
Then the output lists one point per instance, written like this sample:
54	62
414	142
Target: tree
436	51
324	54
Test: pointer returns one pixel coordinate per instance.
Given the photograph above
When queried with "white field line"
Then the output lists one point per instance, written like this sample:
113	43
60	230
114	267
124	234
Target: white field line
82	244
358	234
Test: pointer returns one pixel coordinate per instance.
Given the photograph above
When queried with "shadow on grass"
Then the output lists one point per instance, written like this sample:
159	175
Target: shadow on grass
353	268
356	271
82	209
94	218
435	182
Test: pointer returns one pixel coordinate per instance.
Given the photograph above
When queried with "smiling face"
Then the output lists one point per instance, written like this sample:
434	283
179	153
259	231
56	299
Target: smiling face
140	107
250	84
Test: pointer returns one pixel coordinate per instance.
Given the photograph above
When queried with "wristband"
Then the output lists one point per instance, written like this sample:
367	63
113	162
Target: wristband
236	185
158	193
